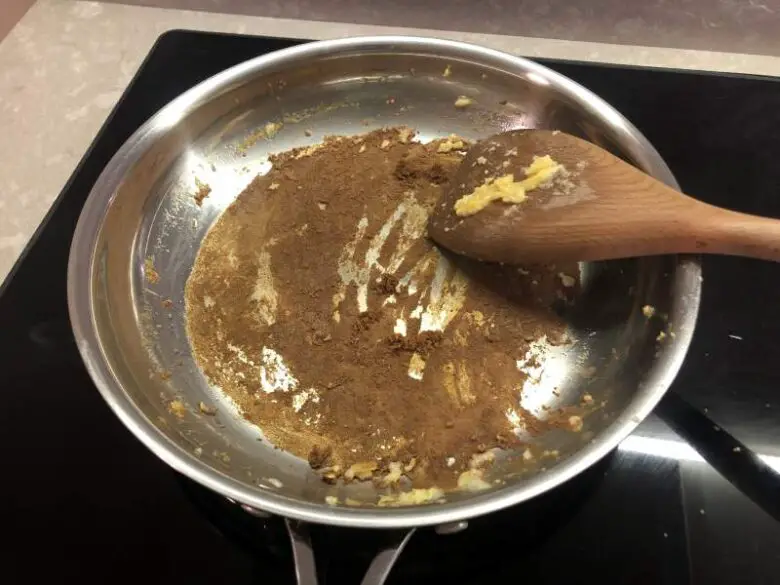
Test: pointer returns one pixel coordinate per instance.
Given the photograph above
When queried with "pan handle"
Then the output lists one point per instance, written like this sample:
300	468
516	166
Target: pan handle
383	562
736	462
378	570
303	553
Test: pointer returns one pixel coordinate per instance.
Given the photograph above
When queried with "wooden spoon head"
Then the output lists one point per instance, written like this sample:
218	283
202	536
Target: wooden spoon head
571	217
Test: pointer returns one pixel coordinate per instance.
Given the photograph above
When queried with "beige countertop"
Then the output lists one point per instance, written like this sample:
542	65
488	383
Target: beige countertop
63	67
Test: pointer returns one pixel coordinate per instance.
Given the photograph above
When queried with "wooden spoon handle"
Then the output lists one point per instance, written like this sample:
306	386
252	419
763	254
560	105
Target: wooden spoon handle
720	231
675	224
684	225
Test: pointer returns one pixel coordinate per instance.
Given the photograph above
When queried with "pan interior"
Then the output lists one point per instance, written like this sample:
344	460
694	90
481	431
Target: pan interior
154	227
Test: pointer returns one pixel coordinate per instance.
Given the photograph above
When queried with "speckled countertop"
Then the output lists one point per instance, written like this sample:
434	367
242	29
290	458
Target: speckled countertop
66	63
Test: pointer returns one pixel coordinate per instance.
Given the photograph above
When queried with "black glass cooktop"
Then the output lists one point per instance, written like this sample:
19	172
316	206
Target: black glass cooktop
81	499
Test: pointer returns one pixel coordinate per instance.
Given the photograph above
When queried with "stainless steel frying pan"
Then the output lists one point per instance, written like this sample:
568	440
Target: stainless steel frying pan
141	215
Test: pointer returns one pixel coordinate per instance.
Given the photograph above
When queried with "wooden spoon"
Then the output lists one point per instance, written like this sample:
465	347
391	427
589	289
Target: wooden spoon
597	207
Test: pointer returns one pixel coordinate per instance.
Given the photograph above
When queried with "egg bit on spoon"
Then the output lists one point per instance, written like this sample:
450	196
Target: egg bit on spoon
540	196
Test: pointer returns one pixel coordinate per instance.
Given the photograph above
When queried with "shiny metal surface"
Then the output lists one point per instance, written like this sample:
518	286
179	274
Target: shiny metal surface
378	570
451	528
380	567
303	552
142	210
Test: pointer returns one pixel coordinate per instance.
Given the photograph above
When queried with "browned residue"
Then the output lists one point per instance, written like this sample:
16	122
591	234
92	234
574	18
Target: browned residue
267	278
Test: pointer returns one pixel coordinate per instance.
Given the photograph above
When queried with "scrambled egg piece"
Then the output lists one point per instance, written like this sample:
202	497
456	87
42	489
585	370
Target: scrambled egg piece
361	471
463	101
396	471
542	170
176	407
412	498
272	129
308	150
472	481
451	143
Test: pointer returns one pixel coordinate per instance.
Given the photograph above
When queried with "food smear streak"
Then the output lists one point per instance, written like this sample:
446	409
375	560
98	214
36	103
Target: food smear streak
541	171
